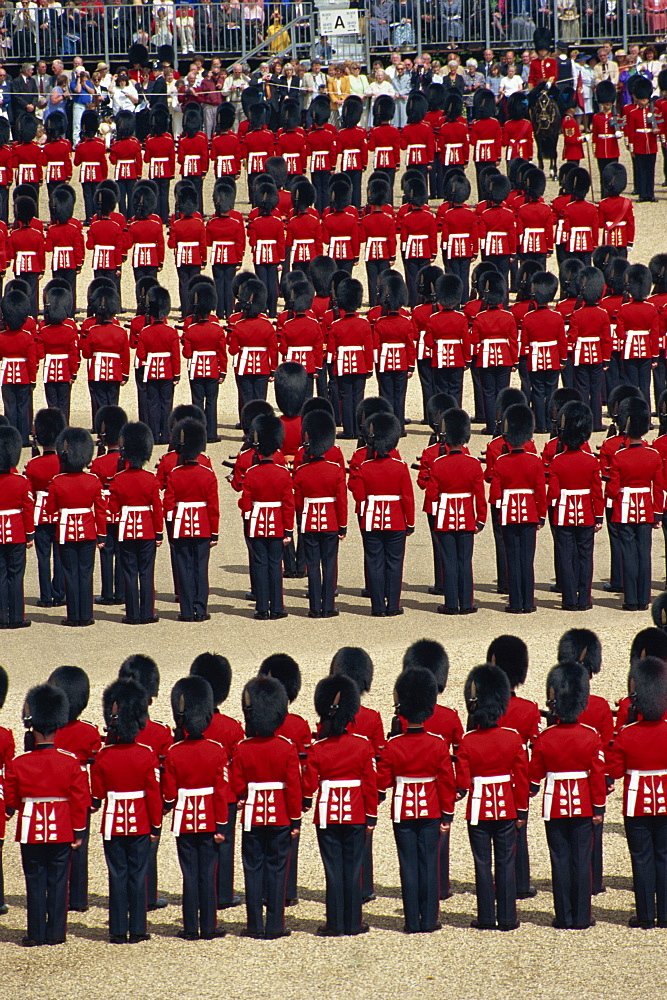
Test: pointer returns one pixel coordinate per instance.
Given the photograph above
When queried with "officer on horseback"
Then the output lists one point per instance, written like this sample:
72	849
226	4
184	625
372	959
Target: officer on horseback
545	67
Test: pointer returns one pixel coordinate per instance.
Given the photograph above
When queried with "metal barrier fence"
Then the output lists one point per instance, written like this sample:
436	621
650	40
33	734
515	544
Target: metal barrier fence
242	30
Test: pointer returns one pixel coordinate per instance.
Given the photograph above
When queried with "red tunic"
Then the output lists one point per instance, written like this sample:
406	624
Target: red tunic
353	147
340	233
597	715
26	248
57	160
495	338
193	155
524	716
350	345
301	340
6	171
225	234
581	226
486	140
638	330
534	226
419	233
50	792
158	352
75	501
517	138
205	350
573	144
320	496
612	303
636	485
641	135
28	160
266	236
459	229
367	722
617	222
444	722
575	491
65	242
322	147
542	69
303	236
187	238
17	509
518	488
543	339
126	778
254	346
106	239
40	472
126	157
492	765
383	489
378	232
107	350
80	738
605	140
195	786
496	447
145	238
157	736
160	156
291	146
191	501
454	143
256	147
296	729
134	503
91	155
267	500
589	335
497	231
266	778
405	761
340	772
226	154
394	343
455	493
384	141
169	461
639	756
419	143
571	758
18	358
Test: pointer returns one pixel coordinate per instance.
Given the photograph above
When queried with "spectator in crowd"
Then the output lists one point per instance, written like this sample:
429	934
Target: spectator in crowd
6	107
401	85
83	92
185	25
338	87
209	93
24	28
487	64
123	93
512	83
278	36
454	79
472	82
289	84
59	99
402	24
359	81
650	66
606	68
507	60
420	77
526	59
392	68
232	89
24	92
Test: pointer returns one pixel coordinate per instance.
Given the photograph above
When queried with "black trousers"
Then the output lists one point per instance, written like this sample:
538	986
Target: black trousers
252	387
418	846
268	275
51	582
647	843
160	401
659	378
522	863
570	844
519	542
12	572
393	388
449	380
163	184
69	275
412	267
384	552
615	374
461	267
354	176
46	869
542	384
198	858
111	572
185	272
426	373
4	199
321	552
192	558
635	541
78	562
265	852
78	872
144	272
88	200
125	189
438	568
436	179
374	268
127	861
493	379
456	548
198	182
294	560
501	262
603	163
494	893
342	850
575	563
223	275
320	180
645	175
351	392
367	881
103	394
524	380
478	396
638	373
137	560
501	555
268	574
142	405
204	393
18	409
225	876
58	396
588	380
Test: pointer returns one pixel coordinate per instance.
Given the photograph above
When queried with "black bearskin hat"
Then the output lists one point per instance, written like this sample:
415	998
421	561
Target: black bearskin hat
215	669
499	188
165	54
590	285
508	397
317	404
192	704
137	442
355	663
203	300
371	405
559	397
449	291
634	415
340	193
264	704
483	104
614	179
49	423
303	294
137	55
416	107
427	277
190	437
352	110
61	205
618	394
160	119
659	611
276	169
605	92
383	109
27	127
47	709
658	268
581	183
452	105
4	685
650	641
249	97
303	195
349	295
258	115
322	270
534	183
10	448
320	427
225	117
192	120
487	695
290	114
430	655
436	405
142	669
394	293
643	88
75	448
337	701
182	411
581	645
252	297
255	408
457	190
567	276
125	122
576	424
602	257
568	685
650	680
386	432
638	281
517	106
543	40
614	274
286	670
510	653
125	709
74	682
105	200
416	693
144	201
457	428
110	420
435	95
25	210
292	385
544	286
89	124
269	432
518	425
494	288
320	109
187	201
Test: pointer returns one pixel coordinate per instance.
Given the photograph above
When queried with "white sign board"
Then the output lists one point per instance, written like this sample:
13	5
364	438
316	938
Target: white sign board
339	22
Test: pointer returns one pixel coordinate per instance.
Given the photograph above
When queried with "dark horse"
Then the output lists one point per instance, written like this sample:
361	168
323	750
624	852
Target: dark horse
545	116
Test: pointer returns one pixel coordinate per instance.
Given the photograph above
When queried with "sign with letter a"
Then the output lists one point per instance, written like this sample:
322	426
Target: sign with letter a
339	22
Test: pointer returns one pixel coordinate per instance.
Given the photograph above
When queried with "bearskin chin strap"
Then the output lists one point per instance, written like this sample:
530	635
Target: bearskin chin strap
327	724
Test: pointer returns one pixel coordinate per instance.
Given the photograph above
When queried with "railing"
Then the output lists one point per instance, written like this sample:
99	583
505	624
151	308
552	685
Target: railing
240	30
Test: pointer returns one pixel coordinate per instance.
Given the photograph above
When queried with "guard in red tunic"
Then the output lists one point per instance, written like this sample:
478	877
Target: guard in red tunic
107	351
225	235
267	503
605	127
419	234
485	133
125	156
535	221
125	781
636	488
518	490
145	234
570	756
187	238
394	338
615	439
109	421
40	471
517	132
26	248
340	225
252	343
384	140
17	526
301	339
205	350
64	240
160	157
573	142
589	337
612	302
544	342
226	144
158	353
492	768
18	362
353	144
511	654
90	156
191	503
350	351
459	232
638	329
257	145
6	171
340	775
417	766
456	499
641	137
49	791
193	153
195	786
27	155
322	148
290	139
417	138
453	137
7	749
266	781
581	224
321	505
617	219
266	236
303	234
545	67
497	226
383	489
639	756
378	233
495	341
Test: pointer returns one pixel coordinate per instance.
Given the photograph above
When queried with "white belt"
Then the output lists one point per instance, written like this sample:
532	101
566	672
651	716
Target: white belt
628	492
536	350
26	172
183	795
348	349
443	501
313	502
575	233
338	243
562	503
181	508
220	245
507	496
373	244
141	254
401	782
110	808
190	165
122	169
578	346
245	355
29	806
253	788
552	778
40	497
194	360
257	507
61	252
65	514
292	162
298	354
319	160
386	348
98	357
418	145
478	786
633	786
371	503
89	172
492	240
10	363
256	162
263	254
448	151
296	255
51	169
325	792
418	243
445	358
380	161
631	337
528	236
181	256
486	348
484	144
102	253
155	356
219	161
456	241
350	158
153	170
124	517
23	261
48	360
